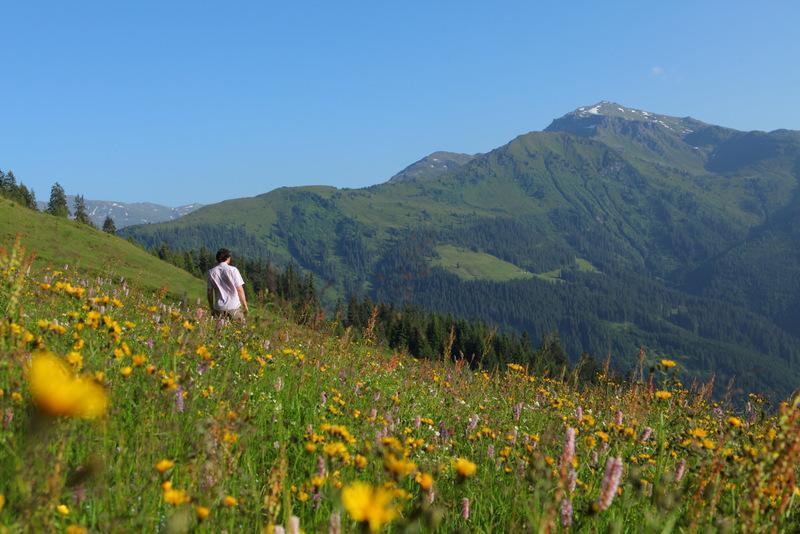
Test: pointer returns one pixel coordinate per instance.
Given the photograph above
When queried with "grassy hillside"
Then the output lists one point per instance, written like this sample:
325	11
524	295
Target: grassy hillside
122	412
62	242
469	265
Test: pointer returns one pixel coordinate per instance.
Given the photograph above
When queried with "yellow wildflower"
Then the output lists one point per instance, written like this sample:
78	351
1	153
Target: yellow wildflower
735	422
175	497
425	480
201	512
668	363
164	465
360	461
230	501
57	392
464	468
663	395
75	359
371	506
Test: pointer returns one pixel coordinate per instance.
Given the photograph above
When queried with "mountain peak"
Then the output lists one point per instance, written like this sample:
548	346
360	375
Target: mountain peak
433	165
587	119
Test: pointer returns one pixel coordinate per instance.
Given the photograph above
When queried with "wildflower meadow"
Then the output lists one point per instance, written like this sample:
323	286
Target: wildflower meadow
128	410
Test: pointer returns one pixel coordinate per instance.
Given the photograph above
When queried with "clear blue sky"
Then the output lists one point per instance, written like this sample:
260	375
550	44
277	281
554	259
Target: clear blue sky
202	101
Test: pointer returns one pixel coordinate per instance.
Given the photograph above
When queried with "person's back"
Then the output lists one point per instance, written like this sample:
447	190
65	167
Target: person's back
225	287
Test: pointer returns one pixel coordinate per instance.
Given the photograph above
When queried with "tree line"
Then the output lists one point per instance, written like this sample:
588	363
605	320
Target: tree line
56	206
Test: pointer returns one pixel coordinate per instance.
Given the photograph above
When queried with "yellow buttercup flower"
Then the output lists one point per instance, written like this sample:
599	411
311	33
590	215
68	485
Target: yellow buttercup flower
663	395
735	422
371	506
230	501
202	512
668	363
63	509
57	392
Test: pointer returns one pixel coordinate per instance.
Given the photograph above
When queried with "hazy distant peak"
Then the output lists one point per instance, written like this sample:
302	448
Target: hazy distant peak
433	166
128	213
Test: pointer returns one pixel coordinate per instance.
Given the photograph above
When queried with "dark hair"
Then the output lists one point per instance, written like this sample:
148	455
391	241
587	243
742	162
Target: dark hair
223	254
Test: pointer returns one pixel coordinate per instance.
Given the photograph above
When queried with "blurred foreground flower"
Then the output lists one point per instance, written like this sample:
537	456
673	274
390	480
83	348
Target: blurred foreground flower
368	505
464	468
58	392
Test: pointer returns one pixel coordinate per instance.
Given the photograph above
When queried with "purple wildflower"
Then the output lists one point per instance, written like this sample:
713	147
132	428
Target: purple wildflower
569	447
680	470
610	483
179	398
335	523
566	512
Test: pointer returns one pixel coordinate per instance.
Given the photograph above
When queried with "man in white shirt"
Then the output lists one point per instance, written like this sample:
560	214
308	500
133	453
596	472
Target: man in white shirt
226	288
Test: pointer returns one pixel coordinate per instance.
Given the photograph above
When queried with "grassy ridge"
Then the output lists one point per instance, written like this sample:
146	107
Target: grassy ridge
60	241
212	426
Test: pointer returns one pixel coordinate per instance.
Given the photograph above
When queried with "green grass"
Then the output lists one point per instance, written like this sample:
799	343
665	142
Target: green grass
246	412
61	242
469	265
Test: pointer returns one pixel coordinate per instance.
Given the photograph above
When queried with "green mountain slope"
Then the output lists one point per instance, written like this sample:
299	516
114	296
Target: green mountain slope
657	205
57	241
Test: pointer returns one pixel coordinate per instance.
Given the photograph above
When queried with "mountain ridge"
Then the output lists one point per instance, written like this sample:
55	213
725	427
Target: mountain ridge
649	194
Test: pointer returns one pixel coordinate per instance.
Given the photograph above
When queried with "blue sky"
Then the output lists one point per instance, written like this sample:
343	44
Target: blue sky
202	101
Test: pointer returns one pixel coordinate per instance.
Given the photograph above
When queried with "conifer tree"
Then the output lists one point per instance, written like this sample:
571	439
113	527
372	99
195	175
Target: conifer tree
58	201
81	215
28	197
108	226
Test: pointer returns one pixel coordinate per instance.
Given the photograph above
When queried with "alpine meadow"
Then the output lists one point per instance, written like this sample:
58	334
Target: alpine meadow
285	318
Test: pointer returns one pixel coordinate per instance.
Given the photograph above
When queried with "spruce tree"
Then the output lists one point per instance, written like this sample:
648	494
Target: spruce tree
81	215
108	226
58	201
28	197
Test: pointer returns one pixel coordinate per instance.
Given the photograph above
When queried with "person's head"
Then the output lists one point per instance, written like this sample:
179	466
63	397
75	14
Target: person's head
223	255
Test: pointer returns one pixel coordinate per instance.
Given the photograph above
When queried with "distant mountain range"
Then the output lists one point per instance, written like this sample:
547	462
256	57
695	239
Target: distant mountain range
128	213
618	227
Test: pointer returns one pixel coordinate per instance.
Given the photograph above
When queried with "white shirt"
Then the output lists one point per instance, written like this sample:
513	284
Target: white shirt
224	279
